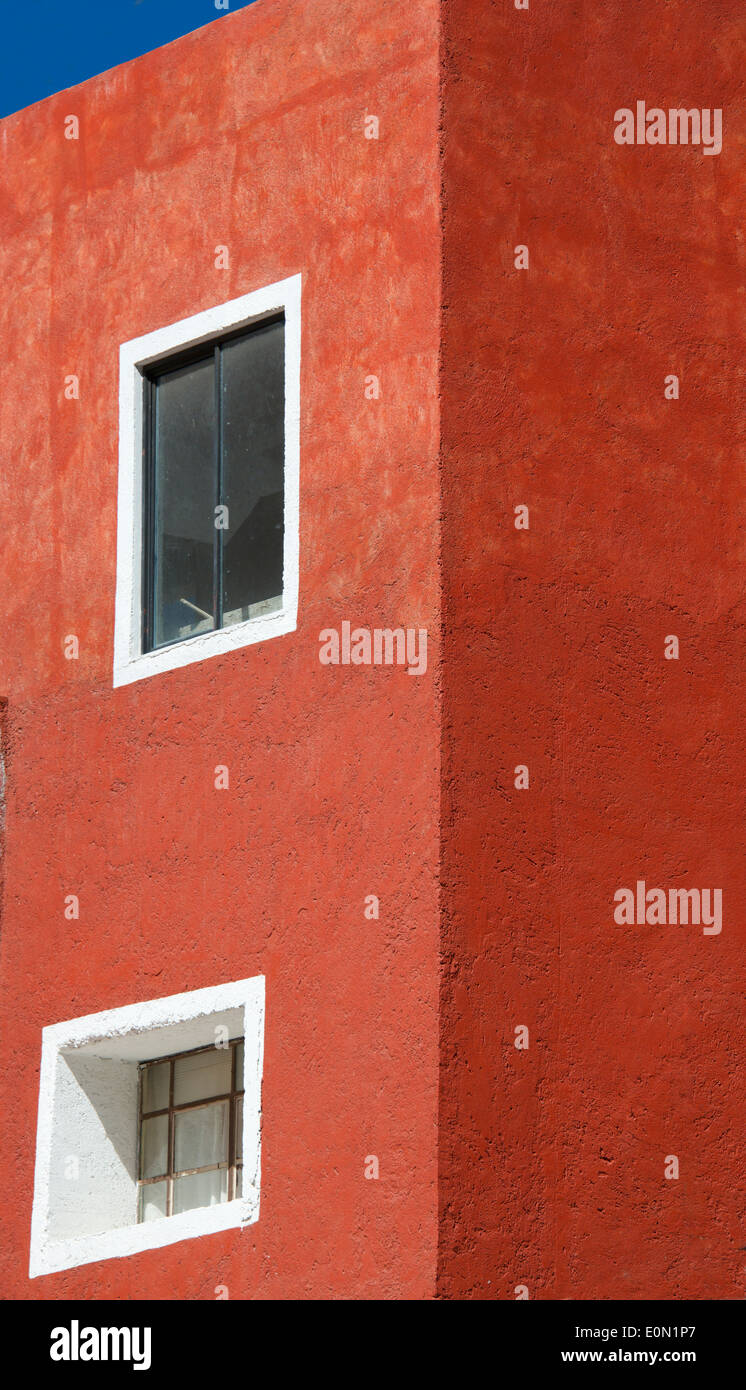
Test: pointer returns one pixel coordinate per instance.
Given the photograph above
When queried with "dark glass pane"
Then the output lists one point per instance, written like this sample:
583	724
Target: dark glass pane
253	473
185	499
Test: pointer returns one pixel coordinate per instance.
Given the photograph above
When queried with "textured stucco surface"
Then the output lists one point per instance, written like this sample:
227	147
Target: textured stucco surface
545	1167
552	1159
248	134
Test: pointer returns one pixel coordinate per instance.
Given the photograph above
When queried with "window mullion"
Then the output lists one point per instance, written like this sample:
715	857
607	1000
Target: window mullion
218	569
148	550
171	1133
232	1129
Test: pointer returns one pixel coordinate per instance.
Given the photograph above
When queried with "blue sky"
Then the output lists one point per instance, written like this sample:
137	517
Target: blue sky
51	44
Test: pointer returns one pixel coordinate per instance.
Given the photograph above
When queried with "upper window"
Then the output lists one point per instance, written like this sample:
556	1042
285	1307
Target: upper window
214	486
207	530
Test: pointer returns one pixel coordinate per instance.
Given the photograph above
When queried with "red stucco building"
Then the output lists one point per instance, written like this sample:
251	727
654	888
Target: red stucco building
507	352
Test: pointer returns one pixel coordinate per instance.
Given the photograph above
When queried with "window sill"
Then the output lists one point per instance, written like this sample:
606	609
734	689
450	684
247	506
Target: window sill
205	644
146	1235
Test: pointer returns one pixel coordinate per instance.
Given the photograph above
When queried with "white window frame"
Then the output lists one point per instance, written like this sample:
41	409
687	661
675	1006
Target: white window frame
131	663
120	1039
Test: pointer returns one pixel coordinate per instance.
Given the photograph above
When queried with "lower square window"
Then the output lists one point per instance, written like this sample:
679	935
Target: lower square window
149	1125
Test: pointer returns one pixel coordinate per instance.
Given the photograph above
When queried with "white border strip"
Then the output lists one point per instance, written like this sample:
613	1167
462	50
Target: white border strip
130	662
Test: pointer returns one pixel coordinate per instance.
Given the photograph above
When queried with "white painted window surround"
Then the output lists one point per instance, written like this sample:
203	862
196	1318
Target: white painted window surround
85	1184
130	662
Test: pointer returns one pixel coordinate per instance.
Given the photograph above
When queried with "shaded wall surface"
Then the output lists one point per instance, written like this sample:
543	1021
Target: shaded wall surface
552	1159
249	134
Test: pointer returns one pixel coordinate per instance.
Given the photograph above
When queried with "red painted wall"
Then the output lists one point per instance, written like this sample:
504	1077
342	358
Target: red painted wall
548	392
248	133
552	1159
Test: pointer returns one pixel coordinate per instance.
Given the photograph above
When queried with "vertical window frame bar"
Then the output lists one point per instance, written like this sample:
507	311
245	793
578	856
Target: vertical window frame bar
219	481
232	1127
138	1153
148	529
171	1142
216	489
